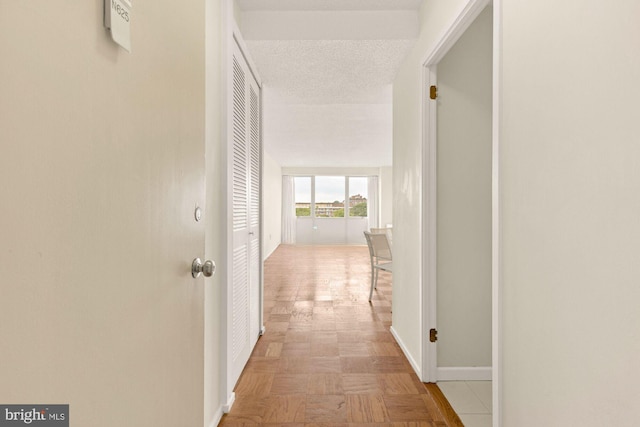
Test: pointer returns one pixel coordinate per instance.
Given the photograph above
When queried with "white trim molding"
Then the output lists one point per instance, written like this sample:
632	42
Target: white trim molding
237	36
429	226
496	226
463	20
226	408
462	373
415	365
217	417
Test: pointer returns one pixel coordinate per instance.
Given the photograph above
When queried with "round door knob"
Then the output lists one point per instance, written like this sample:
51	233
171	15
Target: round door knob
208	268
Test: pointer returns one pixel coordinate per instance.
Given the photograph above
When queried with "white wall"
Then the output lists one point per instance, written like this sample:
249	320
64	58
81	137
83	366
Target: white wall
435	17
237	13
272	205
386	195
464	199
570	179
331	231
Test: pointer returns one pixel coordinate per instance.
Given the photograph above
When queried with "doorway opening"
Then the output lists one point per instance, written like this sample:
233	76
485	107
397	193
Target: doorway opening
459	310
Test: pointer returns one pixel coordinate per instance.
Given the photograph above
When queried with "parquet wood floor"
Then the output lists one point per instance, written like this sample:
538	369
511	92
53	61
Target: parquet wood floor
327	358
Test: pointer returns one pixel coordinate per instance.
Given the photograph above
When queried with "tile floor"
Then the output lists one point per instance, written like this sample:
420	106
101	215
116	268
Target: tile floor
471	400
327	357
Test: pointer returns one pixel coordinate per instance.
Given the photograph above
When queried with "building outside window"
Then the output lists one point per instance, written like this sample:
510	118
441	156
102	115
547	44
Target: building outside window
303	195
358	196
329	193
329	196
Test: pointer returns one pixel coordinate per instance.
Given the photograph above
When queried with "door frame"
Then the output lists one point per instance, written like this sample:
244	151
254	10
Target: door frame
465	17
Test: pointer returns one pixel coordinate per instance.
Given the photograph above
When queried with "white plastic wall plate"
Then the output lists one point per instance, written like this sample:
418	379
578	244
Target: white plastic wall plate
117	18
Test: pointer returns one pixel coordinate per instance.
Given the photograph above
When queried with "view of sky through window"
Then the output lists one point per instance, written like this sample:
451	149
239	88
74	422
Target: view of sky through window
329	189
303	189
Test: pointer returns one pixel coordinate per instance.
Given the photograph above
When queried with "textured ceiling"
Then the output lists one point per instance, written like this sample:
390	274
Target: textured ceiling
329	71
336	135
329	4
327	102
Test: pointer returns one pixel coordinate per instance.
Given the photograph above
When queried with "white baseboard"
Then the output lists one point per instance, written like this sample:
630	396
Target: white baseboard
265	257
227	408
479	373
409	356
217	417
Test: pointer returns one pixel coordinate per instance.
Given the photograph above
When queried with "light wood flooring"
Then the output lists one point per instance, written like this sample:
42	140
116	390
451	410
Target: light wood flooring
327	358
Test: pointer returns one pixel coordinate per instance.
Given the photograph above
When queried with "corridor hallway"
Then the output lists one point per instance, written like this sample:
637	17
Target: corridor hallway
327	357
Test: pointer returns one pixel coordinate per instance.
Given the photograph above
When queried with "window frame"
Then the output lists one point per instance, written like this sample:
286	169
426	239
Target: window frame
347	208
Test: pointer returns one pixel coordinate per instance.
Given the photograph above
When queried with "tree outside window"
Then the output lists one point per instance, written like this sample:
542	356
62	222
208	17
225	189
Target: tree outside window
303	195
358	193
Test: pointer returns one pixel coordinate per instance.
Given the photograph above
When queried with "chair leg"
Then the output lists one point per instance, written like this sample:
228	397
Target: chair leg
374	281
374	276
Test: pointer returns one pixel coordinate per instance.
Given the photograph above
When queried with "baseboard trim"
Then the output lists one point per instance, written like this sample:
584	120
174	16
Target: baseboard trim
227	408
217	417
461	373
409	356
265	257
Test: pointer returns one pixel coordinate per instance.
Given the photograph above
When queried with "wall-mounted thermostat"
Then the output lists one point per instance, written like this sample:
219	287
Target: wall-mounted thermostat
117	18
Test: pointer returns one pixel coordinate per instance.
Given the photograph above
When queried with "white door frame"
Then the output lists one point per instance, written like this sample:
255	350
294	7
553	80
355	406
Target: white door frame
496	215
429	225
463	20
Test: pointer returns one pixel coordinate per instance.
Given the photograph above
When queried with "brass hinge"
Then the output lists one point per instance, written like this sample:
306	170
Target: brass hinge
433	92
433	335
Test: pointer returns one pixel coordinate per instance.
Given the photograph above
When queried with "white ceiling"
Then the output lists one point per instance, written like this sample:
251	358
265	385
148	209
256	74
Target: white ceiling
327	68
329	4
329	71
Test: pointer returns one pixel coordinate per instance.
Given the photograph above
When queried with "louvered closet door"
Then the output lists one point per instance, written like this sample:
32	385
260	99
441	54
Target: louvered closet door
254	210
245	177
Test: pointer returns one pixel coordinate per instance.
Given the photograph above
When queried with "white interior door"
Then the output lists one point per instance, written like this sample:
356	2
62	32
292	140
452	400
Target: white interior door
255	247
244	263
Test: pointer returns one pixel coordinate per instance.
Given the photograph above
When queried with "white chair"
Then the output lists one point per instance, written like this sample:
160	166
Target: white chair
386	230
380	254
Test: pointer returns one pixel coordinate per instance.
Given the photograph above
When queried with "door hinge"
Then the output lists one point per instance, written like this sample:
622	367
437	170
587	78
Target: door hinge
433	335
433	92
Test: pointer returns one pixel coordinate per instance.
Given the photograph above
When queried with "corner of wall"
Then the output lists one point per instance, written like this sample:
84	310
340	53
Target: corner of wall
272	195
412	360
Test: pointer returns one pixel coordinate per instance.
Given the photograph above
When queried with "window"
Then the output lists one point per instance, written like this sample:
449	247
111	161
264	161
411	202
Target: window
329	196
303	195
358	196
326	196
